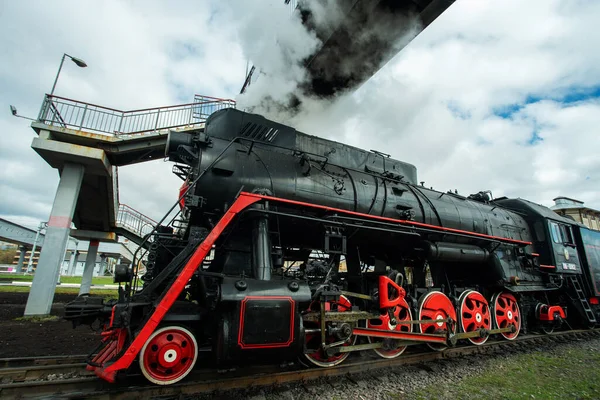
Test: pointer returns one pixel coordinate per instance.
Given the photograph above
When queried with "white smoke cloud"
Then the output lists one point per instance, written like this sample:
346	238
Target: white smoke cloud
280	45
275	41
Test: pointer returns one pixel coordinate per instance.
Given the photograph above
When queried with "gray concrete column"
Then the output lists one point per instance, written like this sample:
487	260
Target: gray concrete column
103	262
73	263
22	250
42	290
88	270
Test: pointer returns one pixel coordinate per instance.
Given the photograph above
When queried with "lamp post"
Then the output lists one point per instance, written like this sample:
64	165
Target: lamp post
79	62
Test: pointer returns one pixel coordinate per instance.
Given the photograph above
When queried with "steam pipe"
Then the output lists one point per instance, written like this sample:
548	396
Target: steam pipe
262	263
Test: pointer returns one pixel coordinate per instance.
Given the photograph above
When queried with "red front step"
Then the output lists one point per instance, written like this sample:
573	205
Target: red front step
113	343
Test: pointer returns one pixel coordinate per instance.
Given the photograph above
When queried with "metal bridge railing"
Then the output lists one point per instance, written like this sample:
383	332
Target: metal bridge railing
206	105
84	116
134	221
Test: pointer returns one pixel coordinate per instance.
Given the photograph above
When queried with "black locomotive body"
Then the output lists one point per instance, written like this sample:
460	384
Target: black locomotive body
289	245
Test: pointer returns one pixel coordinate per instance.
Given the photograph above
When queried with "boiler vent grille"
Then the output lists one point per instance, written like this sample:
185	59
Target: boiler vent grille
259	132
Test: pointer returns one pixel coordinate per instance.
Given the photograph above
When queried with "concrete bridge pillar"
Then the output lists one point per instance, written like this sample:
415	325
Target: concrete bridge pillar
103	263
42	290
22	250
90	265
73	263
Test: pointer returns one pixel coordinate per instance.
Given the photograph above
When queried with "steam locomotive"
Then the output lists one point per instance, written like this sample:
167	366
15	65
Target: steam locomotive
292	246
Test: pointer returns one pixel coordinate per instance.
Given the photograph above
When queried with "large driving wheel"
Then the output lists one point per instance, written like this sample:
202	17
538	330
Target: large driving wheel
390	347
474	314
507	313
316	355
436	306
169	355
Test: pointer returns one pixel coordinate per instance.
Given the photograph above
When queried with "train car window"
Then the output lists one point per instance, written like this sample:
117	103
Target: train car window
555	230
567	234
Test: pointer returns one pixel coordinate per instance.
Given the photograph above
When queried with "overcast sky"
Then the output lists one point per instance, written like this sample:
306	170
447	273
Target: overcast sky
500	95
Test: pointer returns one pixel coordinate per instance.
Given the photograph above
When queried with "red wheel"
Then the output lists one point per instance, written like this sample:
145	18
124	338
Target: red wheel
168	355
436	306
507	313
390	347
474	314
313	339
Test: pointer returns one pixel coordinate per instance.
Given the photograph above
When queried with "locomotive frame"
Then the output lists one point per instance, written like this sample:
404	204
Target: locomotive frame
247	303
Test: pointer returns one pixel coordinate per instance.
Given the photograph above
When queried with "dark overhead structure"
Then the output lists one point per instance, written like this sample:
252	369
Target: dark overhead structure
369	35
364	37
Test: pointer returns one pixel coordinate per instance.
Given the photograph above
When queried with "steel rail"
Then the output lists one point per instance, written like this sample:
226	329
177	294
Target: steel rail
16	362
203	381
27	369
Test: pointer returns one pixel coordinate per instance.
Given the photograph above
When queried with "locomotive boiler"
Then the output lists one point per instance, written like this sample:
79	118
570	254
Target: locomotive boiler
292	246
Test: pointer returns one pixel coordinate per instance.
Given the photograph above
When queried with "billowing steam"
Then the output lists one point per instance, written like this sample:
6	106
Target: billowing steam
276	43
295	81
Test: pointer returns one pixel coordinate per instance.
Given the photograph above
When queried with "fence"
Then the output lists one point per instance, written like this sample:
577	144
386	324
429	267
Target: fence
206	105
79	115
134	221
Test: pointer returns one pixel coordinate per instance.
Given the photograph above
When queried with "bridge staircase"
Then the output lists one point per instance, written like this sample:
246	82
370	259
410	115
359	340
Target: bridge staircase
133	225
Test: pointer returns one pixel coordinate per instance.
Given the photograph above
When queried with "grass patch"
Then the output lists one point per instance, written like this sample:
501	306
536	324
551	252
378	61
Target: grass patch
98	280
572	373
38	318
106	293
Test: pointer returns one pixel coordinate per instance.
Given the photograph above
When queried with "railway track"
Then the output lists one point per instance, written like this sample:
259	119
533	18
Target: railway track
29	369
66	377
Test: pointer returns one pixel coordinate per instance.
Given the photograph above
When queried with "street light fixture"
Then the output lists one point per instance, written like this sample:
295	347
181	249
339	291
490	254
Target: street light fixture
78	61
14	112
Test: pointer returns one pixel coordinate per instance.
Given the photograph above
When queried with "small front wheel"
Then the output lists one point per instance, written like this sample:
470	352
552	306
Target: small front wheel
169	355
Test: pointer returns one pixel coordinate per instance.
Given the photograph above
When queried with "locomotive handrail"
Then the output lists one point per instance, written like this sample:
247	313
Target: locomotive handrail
392	220
80	115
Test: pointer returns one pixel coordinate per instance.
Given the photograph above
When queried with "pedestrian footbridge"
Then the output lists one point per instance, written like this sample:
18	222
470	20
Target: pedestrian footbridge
101	139
87	143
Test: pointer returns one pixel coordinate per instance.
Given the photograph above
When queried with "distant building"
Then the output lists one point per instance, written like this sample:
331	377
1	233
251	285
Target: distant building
575	209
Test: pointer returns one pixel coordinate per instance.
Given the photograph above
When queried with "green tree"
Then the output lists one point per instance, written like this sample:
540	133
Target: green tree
7	256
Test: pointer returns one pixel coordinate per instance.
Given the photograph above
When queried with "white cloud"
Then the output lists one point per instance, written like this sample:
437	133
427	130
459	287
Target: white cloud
139	54
433	105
